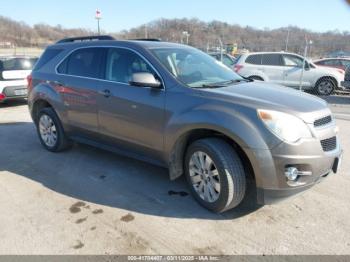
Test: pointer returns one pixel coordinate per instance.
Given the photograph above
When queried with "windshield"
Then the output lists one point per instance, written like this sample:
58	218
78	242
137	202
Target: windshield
195	68
17	64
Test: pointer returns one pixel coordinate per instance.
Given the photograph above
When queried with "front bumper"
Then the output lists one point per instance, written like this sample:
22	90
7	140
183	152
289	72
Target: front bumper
309	156
271	196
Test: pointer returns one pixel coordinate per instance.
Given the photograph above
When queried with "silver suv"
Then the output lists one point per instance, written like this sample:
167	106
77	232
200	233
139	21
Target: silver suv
177	107
286	69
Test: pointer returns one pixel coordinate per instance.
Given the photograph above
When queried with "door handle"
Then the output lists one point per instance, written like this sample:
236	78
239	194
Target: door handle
106	93
58	83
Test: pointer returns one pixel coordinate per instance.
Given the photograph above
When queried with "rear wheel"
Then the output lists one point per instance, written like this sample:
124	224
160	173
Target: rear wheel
50	131
215	174
325	87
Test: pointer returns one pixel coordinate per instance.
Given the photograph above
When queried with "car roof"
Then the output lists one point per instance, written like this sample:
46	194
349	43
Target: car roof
272	52
332	58
131	43
16	56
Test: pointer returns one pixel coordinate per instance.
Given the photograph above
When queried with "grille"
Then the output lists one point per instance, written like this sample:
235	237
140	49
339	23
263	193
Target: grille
323	121
329	144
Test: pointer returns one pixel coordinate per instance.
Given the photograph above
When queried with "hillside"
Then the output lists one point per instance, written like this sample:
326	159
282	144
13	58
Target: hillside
202	35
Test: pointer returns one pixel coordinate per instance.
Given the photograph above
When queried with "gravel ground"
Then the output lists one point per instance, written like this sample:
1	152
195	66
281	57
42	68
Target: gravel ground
88	201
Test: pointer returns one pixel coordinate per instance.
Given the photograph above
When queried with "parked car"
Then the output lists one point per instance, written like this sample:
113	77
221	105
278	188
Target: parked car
346	82
13	73
227	59
286	69
340	63
175	106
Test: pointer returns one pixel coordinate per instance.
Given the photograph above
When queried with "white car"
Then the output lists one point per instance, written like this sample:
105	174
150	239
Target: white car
286	69
13	76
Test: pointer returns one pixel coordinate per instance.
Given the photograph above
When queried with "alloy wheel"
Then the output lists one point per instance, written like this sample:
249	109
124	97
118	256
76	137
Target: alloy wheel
48	132
204	176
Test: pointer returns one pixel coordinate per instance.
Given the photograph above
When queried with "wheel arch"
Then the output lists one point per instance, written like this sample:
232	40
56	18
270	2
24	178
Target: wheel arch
178	152
37	106
256	77
332	78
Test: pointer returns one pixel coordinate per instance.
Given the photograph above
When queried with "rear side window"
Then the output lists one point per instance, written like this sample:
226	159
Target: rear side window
331	62
254	59
345	63
10	64
85	62
320	62
272	59
46	57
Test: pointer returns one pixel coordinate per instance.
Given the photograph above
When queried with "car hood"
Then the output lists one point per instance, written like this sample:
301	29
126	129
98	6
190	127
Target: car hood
259	95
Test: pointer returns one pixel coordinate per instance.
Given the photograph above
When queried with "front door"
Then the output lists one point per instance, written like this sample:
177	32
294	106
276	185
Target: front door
293	72
128	115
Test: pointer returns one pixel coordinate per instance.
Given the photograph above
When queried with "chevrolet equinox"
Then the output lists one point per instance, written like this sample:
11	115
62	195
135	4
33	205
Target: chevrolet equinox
177	107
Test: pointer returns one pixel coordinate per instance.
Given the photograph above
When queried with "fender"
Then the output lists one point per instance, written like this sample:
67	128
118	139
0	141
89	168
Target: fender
47	92
240	128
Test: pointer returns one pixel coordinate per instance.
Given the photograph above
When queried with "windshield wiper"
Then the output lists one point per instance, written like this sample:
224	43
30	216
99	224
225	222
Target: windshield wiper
223	83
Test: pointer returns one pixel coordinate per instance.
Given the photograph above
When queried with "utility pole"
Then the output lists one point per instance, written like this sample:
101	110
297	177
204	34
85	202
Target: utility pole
307	43
221	49
146	31
185	33
98	17
287	40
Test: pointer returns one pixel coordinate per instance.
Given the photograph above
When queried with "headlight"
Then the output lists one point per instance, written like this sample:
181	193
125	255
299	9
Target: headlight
285	126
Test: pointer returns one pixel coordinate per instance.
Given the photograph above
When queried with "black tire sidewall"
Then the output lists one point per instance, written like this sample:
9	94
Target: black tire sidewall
322	81
59	130
221	203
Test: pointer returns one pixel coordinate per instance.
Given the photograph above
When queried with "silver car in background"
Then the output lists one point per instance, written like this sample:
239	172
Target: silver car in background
13	76
286	69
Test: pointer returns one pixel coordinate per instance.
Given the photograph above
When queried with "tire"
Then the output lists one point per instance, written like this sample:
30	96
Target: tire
49	123
229	174
255	78
325	86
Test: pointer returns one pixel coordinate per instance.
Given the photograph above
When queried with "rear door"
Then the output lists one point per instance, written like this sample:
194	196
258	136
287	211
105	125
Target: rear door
131	117
79	81
273	68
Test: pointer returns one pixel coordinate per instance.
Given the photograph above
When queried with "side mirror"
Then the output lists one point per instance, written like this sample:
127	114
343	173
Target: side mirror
145	80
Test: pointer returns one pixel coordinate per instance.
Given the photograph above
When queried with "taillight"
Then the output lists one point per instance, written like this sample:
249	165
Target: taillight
29	82
341	71
237	68
2	96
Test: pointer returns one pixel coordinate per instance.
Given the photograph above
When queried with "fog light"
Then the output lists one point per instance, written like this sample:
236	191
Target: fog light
291	173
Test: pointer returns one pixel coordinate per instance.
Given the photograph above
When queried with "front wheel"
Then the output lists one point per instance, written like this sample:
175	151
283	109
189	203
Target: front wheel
325	87
215	174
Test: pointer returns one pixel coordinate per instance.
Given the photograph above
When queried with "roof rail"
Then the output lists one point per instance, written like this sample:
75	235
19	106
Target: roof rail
148	39
85	38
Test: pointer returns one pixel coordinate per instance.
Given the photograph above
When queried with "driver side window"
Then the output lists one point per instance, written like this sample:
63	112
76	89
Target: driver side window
123	63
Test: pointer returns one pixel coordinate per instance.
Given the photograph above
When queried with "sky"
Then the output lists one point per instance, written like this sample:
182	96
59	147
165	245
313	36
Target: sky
117	15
